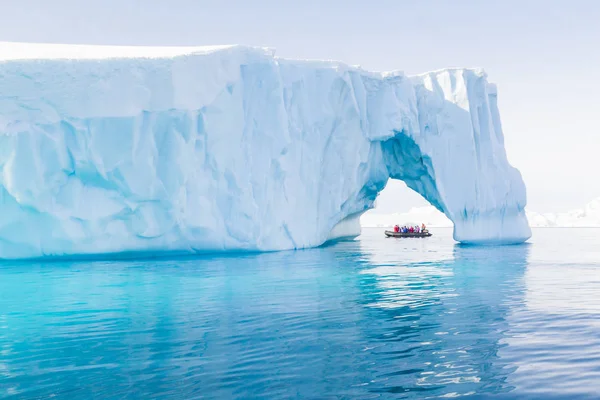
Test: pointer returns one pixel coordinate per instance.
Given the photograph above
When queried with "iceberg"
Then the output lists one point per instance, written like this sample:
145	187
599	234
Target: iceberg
428	215
434	218
183	150
586	217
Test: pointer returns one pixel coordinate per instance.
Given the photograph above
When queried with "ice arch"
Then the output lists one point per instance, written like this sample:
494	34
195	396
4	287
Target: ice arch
108	150
448	146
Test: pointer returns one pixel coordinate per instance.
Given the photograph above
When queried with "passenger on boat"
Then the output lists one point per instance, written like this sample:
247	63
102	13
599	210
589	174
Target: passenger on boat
411	230
417	228
396	228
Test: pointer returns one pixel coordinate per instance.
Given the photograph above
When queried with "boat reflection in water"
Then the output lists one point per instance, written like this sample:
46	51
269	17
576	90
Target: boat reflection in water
445	321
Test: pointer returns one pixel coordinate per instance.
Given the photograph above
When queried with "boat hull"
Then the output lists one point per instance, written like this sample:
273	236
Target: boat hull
407	235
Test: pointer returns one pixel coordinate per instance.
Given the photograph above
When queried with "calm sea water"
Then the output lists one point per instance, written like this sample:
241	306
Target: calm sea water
370	318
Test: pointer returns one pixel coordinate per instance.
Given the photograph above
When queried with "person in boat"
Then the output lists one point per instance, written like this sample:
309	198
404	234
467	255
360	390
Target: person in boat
417	229
423	228
412	230
396	228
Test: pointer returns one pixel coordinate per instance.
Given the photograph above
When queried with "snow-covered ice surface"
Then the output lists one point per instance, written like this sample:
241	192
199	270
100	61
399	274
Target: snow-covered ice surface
109	149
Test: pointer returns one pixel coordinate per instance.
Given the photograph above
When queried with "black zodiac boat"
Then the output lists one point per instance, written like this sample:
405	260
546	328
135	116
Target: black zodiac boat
407	234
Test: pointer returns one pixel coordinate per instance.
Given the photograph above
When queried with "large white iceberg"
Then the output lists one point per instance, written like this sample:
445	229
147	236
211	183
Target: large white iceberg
116	149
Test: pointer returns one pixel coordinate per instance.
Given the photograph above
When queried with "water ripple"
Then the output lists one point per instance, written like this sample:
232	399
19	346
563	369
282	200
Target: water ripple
373	318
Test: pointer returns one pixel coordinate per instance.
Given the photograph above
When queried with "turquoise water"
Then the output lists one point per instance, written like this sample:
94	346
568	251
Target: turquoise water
370	318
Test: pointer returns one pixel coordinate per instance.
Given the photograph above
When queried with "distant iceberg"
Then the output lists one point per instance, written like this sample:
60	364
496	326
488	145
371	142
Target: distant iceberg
428	215
586	217
115	149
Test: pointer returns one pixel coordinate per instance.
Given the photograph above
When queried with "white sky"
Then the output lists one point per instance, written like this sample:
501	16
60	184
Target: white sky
544	56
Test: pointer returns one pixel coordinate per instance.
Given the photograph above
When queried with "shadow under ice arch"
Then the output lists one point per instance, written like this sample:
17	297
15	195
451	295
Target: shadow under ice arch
472	224
151	150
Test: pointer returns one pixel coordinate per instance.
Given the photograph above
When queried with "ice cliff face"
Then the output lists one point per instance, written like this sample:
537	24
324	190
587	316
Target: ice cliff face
108	150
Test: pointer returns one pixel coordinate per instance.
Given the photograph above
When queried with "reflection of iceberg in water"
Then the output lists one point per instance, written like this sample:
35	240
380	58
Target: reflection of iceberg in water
343	321
449	320
237	326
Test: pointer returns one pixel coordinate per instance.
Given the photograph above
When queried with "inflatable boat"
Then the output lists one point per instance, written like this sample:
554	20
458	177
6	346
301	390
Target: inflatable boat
407	234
